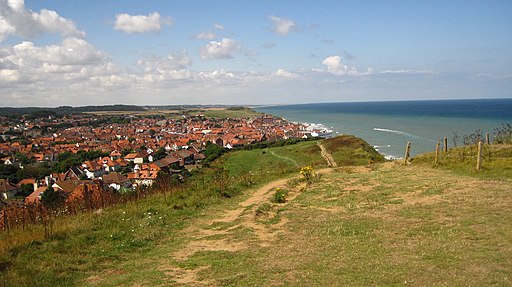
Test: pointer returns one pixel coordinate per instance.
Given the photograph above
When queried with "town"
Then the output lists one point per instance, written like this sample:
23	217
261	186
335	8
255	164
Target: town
70	153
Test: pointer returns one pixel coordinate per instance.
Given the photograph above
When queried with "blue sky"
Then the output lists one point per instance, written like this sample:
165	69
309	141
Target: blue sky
55	52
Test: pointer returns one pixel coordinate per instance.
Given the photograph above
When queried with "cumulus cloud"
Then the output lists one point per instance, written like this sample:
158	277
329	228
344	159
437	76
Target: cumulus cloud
15	19
286	74
218	26
334	66
26	62
220	50
282	26
153	22
206	36
173	67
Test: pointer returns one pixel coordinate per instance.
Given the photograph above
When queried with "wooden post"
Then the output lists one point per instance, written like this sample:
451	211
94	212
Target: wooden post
479	156
487	139
407	152
445	146
437	153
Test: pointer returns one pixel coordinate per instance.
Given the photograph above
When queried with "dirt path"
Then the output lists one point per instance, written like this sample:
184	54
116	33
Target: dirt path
285	158
217	234
327	156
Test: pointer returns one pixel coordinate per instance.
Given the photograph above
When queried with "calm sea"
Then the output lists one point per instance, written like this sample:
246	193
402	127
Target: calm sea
390	125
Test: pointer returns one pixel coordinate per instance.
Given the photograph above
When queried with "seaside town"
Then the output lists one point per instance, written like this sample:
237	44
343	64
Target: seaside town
72	153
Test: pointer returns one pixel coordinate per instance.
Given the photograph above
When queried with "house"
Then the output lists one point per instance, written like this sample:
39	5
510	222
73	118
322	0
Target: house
117	181
7	189
134	157
92	169
69	185
115	155
167	163
108	164
31	181
144	175
35	197
184	156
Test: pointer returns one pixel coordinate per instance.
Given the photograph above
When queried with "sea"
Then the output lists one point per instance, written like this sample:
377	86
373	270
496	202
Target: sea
389	125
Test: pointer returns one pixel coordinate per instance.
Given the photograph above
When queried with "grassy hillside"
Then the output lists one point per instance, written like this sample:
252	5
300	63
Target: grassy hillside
350	150
496	161
390	225
379	224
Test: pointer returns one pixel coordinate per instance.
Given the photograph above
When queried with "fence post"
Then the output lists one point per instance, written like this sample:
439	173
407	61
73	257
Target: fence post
436	162
445	146
479	156
407	152
487	139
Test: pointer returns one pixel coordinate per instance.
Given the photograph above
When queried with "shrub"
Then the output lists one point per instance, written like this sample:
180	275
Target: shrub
280	195
307	173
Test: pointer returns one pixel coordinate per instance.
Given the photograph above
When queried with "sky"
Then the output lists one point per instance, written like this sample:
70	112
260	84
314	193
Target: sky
77	53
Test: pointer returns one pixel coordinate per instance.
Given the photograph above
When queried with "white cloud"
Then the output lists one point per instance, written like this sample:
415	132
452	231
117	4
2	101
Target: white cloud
285	74
141	23
282	26
218	26
173	67
409	72
15	19
72	59
334	66
206	36
220	50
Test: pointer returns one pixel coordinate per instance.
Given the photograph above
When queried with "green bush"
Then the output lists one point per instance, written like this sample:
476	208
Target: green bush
280	195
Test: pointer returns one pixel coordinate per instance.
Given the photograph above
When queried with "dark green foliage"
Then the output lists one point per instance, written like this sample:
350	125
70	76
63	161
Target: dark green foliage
212	151
26	190
67	159
126	151
159	154
37	171
52	199
8	171
23	158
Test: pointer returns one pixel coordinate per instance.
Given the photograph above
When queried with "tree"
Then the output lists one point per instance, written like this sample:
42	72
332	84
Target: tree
159	154
23	158
52	198
26	190
212	151
8	170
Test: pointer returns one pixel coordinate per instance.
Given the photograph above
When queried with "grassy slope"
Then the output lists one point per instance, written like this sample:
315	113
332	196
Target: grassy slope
122	238
389	226
383	225
349	150
496	161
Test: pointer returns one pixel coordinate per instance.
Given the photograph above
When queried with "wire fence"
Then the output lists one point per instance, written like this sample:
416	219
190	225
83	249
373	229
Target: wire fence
93	197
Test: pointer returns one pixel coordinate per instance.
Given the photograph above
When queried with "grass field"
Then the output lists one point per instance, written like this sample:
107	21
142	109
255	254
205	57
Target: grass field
227	112
273	162
379	224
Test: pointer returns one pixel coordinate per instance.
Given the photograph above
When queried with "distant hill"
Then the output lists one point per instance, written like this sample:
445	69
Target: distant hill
68	109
